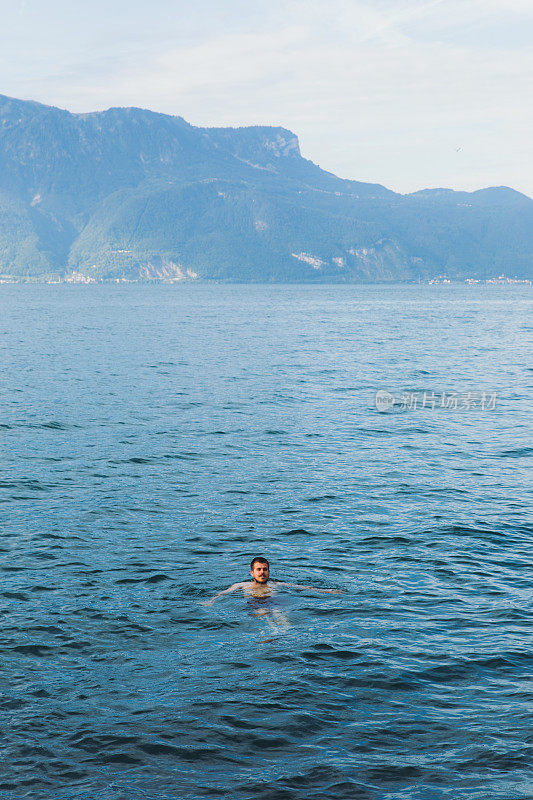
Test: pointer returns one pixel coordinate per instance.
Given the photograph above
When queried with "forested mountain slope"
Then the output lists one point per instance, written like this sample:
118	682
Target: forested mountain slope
132	194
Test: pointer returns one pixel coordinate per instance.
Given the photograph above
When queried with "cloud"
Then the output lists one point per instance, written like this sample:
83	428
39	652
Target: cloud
384	90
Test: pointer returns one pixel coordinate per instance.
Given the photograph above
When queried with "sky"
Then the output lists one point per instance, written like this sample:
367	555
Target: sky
408	93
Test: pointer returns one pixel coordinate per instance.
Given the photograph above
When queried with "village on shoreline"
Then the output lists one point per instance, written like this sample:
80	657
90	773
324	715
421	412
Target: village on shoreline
80	278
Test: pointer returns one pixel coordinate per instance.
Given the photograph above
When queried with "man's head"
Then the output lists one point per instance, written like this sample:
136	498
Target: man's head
259	569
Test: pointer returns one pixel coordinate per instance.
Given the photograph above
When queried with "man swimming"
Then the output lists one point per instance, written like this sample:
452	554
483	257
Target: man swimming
261	586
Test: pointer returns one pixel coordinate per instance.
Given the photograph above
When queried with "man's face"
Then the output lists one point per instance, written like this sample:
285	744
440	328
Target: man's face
260	572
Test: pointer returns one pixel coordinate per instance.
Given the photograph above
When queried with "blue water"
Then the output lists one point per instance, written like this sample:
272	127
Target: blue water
155	438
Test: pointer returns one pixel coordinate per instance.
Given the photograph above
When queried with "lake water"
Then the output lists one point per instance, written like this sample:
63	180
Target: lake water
155	438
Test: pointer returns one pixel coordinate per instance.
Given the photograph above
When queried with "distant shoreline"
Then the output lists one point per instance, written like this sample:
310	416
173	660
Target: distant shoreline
89	281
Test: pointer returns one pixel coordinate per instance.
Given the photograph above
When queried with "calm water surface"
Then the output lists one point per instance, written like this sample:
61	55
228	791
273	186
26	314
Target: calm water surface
155	438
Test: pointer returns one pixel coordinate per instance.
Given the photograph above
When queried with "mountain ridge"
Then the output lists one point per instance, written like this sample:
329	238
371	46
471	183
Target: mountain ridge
134	194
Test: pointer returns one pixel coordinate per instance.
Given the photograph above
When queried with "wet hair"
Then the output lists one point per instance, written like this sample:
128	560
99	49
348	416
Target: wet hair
260	560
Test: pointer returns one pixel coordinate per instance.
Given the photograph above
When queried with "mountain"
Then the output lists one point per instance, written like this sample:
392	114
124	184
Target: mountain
132	194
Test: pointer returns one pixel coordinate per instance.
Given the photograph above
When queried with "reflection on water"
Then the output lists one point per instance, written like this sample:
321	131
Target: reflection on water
156	438
268	609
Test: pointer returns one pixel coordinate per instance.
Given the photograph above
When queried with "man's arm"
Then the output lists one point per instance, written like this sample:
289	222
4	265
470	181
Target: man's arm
225	591
311	588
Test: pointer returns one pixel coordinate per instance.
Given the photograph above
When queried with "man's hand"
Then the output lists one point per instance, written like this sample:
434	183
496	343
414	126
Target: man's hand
309	588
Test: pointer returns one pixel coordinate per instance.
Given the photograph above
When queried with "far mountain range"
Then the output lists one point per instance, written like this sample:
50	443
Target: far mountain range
135	195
